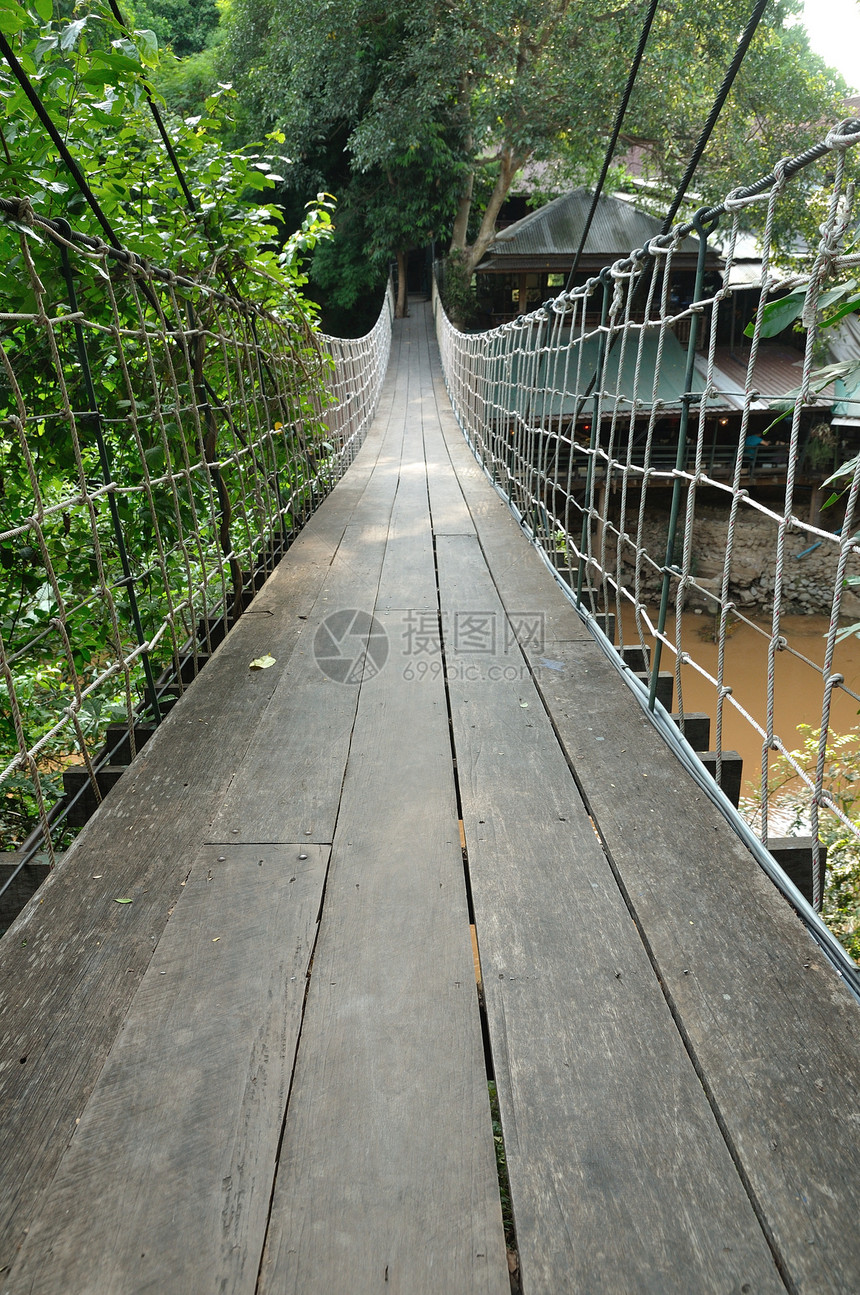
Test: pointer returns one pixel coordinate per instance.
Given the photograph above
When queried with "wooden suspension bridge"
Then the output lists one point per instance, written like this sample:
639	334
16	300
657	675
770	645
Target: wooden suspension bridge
243	1048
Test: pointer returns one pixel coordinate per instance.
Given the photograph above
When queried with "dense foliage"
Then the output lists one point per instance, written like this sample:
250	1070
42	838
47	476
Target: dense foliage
165	380
422	115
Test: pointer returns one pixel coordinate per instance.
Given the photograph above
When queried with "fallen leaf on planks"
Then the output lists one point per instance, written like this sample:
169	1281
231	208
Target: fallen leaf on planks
262	663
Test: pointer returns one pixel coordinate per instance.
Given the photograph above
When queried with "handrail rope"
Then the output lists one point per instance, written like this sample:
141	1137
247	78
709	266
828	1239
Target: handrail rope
55	228
846	133
501	431
75	170
616	131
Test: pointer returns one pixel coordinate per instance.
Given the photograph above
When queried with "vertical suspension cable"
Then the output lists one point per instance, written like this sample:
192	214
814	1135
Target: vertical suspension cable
616	131
722	96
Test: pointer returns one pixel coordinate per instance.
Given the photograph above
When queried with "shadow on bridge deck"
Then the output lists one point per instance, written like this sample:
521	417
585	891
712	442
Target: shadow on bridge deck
242	1046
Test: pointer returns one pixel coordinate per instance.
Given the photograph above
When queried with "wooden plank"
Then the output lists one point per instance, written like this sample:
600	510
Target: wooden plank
530	589
448	506
288	784
771	1027
620	1178
167	1181
387	1178
71	963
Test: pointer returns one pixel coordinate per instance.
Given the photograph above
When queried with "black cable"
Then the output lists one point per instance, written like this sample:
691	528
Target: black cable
711	213
628	90
734	67
159	122
57	140
849	129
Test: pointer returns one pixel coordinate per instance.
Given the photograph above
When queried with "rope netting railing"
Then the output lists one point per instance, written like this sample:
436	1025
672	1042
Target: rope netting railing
160	445
667	445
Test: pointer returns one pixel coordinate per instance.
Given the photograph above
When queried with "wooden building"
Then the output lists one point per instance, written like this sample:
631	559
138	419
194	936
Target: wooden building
531	260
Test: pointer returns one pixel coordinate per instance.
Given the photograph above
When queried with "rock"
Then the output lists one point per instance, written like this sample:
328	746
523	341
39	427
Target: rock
743	574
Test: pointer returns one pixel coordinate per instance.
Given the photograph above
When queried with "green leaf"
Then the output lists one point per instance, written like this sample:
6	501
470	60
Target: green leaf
45	9
14	17
103	118
844	470
262	663
835	294
120	62
847	308
777	315
99	76
123	901
71	35
147	45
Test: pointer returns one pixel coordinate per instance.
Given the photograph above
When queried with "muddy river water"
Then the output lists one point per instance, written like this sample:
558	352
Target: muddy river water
798	686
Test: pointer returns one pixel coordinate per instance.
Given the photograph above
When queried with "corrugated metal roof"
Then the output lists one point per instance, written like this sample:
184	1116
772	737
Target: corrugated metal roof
555	230
778	373
532	386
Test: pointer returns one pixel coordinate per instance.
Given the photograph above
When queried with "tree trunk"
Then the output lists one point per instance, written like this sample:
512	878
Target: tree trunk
511	163
401	308
464	202
461	220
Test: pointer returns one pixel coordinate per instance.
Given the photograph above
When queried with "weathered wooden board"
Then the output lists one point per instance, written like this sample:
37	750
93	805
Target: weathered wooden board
72	962
288	785
620	1178
387	1179
773	1030
167	1181
448	507
410	573
530	590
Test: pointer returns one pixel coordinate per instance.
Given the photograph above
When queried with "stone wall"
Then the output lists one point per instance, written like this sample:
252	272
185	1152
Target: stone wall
808	581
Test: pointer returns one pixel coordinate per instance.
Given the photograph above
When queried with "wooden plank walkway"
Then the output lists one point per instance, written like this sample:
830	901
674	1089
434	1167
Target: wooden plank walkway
266	1072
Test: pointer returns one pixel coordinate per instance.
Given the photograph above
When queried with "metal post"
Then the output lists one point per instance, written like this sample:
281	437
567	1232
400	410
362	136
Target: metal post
595	432
703	228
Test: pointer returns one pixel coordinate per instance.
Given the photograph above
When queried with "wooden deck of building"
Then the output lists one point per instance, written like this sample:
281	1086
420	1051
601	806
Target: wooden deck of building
242	1047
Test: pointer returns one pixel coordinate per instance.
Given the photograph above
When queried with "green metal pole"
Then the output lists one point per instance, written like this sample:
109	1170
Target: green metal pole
94	417
704	229
595	432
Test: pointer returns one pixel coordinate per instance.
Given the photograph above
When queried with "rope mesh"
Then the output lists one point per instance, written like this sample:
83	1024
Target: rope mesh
594	411
160	445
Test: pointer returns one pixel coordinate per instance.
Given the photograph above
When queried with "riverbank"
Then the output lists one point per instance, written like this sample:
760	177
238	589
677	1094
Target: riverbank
809	569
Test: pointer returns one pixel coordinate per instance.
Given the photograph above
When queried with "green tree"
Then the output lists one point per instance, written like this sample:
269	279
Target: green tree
460	98
354	121
186	26
92	74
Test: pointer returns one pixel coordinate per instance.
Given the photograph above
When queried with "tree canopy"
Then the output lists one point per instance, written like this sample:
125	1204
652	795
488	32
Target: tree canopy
426	111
